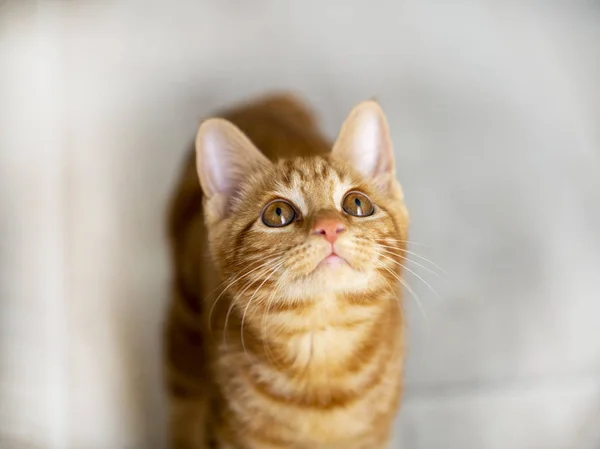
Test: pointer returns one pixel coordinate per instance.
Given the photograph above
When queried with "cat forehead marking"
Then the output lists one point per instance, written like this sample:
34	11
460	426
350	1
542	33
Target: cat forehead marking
312	185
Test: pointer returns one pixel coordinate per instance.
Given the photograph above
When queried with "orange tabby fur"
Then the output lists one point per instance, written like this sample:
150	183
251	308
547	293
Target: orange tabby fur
319	361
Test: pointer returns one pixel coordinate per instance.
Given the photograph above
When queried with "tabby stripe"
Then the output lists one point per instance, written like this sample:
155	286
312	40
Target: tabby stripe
181	385
183	306
337	396
348	325
275	306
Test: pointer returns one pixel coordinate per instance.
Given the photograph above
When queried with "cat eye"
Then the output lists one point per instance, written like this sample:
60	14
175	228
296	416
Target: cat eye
278	213
357	204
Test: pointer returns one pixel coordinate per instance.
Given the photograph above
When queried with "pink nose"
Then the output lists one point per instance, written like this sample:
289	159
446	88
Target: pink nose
329	228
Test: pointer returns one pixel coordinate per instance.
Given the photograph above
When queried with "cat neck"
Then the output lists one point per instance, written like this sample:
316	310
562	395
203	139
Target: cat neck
324	332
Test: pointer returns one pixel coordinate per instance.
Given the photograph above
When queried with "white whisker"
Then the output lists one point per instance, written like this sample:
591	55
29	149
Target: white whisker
411	291
272	272
410	242
263	323
235	299
416	255
411	271
413	262
234	281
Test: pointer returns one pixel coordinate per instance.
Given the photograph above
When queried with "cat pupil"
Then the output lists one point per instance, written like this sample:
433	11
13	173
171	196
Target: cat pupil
278	211
357	201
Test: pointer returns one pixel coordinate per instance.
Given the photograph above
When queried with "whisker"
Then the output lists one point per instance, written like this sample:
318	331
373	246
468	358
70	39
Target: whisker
244	264
234	281
263	323
234	301
417	275
416	255
272	272
410	242
387	251
411	291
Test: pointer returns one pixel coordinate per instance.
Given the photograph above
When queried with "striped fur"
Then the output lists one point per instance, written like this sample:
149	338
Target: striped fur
262	350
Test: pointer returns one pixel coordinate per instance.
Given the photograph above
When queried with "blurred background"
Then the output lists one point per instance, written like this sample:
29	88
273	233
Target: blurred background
494	108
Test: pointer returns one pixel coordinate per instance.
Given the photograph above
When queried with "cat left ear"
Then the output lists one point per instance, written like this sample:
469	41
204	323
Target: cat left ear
224	156
364	141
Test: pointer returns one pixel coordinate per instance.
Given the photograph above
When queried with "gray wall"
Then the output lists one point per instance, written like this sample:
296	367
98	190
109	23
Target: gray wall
494	110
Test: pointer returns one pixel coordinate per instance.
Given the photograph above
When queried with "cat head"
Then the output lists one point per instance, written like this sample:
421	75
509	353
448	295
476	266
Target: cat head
307	226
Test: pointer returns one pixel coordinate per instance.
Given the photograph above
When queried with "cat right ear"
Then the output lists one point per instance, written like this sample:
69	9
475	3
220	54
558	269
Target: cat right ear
365	143
224	155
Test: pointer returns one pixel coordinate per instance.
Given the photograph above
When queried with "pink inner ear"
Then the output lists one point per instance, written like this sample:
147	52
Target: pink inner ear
367	147
223	157
216	164
364	141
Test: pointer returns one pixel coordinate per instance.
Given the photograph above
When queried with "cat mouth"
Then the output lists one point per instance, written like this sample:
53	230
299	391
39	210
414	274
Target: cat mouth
333	260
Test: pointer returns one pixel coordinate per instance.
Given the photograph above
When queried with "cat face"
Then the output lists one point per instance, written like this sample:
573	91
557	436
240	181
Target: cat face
307	226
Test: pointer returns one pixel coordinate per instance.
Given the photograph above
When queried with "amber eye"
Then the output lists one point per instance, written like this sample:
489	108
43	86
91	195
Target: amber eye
278	214
357	204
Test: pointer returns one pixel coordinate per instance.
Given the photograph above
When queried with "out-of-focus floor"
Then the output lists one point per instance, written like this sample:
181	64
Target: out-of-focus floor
494	110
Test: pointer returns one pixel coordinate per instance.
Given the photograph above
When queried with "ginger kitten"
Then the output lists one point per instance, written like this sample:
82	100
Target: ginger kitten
286	326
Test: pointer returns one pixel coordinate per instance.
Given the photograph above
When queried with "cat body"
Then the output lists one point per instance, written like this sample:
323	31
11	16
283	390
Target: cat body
286	327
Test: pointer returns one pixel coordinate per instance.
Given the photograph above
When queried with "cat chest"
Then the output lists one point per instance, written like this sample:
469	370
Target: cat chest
319	350
324	412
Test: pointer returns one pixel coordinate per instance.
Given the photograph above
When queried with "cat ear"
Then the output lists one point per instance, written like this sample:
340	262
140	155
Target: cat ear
364	142
224	156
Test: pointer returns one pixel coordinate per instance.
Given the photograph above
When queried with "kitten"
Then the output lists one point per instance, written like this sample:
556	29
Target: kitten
286	326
